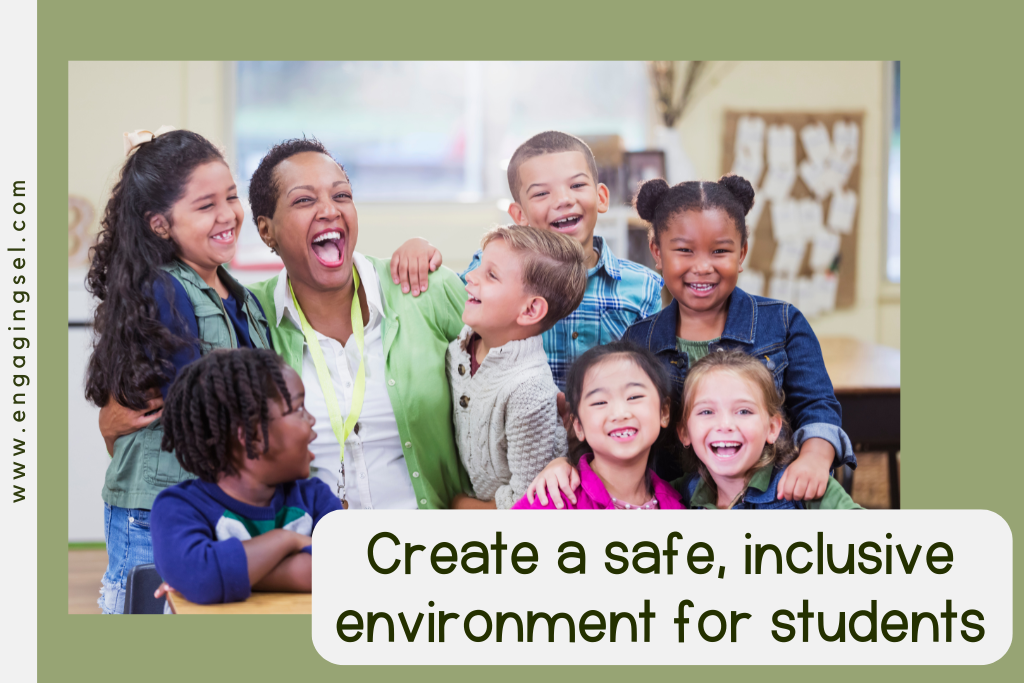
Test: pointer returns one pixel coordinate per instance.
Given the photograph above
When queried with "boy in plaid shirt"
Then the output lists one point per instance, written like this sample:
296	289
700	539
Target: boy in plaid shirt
553	180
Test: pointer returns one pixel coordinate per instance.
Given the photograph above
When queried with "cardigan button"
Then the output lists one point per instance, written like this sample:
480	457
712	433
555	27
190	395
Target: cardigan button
464	401
575	335
391	382
462	369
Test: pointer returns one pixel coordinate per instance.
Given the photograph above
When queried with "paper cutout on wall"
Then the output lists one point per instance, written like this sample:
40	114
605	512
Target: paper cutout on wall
802	228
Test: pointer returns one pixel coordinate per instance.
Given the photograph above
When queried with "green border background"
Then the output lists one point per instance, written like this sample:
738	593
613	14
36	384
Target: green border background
962	132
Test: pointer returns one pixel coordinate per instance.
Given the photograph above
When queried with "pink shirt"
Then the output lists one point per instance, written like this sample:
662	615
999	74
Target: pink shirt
592	495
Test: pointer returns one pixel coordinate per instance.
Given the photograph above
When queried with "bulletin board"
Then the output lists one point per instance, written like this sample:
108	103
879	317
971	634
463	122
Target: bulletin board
805	169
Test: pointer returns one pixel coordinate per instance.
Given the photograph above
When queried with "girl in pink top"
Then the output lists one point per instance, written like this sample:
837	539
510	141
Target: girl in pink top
618	397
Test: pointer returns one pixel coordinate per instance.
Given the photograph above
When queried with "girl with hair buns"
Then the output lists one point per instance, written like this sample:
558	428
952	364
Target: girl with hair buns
698	238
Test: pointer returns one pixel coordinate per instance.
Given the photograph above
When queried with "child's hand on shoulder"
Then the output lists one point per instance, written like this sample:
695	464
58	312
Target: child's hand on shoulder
556	475
807	477
412	263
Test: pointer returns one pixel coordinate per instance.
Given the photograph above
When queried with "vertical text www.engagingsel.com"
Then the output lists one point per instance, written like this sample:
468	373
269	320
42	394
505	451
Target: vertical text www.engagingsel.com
19	337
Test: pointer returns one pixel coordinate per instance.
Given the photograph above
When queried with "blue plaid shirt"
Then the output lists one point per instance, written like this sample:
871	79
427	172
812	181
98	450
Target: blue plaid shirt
619	293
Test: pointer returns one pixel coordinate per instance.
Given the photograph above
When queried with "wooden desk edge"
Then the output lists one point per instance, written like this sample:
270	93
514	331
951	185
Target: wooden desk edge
258	603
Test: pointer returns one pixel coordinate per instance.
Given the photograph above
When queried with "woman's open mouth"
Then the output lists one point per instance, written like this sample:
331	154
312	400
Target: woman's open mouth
567	223
329	248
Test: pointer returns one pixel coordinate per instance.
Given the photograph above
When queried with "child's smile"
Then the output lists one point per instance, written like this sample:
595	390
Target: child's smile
701	255
620	413
495	289
557	192
728	425
205	222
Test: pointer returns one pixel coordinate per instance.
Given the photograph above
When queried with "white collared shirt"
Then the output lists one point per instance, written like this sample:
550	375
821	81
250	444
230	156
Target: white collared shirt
376	475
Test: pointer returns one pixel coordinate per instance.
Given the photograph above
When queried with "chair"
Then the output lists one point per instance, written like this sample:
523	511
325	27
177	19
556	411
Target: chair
138	597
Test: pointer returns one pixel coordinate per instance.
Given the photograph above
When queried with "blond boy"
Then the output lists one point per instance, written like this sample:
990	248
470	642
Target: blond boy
504	398
553	180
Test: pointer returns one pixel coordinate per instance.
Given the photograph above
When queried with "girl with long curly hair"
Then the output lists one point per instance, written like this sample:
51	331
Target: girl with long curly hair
172	220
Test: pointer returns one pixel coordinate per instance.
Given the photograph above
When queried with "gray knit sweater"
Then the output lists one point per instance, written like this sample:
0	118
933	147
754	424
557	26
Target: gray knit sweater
506	416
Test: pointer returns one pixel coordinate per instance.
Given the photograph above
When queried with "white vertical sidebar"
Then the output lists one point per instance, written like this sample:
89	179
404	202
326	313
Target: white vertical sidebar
19	227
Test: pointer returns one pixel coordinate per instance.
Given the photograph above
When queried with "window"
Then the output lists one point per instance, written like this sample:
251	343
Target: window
892	261
433	131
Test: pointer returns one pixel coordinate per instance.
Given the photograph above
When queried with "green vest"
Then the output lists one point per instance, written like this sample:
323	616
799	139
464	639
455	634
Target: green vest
139	469
415	333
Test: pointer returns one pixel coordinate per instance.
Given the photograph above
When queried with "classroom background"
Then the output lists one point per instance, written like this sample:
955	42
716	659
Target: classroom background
426	145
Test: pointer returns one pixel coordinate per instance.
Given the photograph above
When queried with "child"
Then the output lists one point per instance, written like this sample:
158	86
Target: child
553	180
618	398
236	420
173	218
505	402
733	422
699	241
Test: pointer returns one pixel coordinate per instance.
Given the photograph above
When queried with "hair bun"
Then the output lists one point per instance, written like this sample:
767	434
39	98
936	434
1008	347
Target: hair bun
650	195
740	188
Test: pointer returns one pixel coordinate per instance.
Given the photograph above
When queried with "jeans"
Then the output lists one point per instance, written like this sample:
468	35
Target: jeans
128	544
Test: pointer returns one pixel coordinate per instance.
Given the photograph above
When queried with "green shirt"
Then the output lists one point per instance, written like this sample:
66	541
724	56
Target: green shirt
416	333
695	350
835	497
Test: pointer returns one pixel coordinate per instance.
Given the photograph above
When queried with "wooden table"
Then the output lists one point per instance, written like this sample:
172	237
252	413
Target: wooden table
866	379
258	603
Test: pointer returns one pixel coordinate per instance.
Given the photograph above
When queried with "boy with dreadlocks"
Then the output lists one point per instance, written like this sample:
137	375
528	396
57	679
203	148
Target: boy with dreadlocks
236	420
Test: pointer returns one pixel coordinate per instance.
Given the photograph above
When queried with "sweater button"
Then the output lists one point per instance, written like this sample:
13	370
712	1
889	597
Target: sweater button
575	335
464	401
391	382
423	501
415	474
408	444
462	369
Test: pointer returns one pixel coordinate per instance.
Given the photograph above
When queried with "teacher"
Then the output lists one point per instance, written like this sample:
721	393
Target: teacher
372	359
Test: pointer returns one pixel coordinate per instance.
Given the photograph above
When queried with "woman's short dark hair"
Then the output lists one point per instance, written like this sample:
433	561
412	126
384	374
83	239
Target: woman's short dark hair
263	188
213	397
646	361
657	203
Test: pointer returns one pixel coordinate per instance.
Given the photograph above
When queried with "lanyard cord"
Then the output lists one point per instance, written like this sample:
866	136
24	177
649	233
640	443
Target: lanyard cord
342	428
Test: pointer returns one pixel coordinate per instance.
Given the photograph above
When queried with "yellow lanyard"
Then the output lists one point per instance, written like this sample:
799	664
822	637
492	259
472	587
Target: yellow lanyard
342	428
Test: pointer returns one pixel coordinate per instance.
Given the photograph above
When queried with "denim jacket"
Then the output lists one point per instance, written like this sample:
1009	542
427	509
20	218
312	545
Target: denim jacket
762	494
777	334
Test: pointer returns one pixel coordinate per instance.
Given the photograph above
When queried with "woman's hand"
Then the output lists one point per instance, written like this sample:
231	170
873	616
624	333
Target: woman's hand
162	590
412	263
117	420
807	477
460	501
556	475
